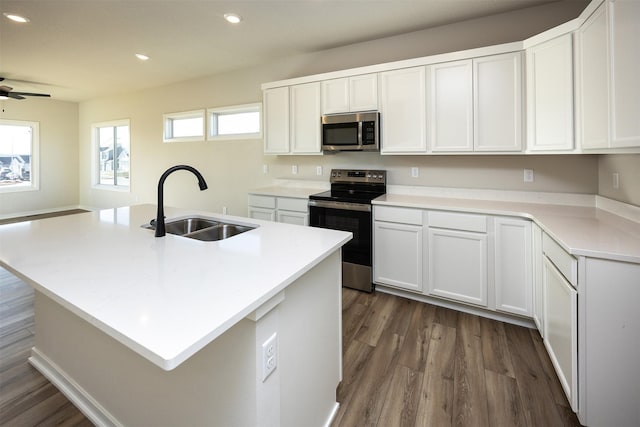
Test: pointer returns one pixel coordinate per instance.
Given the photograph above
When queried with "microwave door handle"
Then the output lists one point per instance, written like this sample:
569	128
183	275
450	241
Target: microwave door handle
359	133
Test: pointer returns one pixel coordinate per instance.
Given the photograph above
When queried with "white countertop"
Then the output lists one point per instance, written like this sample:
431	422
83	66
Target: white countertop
164	298
580	230
282	191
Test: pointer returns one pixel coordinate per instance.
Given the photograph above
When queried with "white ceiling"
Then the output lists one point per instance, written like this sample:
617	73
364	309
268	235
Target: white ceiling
82	49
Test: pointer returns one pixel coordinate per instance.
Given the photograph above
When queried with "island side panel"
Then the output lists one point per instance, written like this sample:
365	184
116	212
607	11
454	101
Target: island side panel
216	386
311	345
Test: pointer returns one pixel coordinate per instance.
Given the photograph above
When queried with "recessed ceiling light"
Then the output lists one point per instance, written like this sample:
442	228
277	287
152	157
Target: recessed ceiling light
16	18
142	57
232	18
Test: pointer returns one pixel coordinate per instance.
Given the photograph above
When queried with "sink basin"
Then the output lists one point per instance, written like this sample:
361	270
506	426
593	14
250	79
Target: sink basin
188	225
204	229
219	232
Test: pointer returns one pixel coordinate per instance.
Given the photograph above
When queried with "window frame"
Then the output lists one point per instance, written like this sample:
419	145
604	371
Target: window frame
167	126
34	173
212	114
95	156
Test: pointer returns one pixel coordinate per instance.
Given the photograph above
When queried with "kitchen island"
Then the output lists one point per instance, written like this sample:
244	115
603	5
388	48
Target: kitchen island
138	330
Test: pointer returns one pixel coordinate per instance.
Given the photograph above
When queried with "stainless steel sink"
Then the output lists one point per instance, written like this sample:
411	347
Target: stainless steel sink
199	228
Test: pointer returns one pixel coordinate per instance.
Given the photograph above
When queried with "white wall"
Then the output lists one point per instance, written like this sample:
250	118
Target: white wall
58	122
628	168
232	168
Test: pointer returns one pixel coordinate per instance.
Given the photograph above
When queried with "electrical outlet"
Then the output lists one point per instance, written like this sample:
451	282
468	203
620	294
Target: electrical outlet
415	172
319	170
294	169
528	175
616	180
269	356
265	168
224	210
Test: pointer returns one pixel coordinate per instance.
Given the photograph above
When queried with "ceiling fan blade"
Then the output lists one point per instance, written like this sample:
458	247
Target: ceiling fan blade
5	88
15	95
31	94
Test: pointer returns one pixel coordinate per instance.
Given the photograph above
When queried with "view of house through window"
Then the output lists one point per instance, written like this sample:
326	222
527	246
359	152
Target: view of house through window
113	146
18	155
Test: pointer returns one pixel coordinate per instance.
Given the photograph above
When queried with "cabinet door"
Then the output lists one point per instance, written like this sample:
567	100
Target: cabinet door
458	265
262	213
450	108
305	119
561	328
550	95
363	92
335	96
403	111
289	217
497	87
513	266
398	255
593	93
624	30
276	120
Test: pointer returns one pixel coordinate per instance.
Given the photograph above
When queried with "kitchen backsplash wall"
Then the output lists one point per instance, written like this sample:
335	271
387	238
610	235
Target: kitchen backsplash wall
627	166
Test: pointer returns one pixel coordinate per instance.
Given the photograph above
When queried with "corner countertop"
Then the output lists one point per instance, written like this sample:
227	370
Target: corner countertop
164	298
580	230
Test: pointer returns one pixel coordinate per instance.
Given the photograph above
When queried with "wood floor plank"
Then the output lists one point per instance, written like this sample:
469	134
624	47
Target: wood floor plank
550	375
469	400
401	404
435	407
503	400
538	403
416	345
379	316
494	347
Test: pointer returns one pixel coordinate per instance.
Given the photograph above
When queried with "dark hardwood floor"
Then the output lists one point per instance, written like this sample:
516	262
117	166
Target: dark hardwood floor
405	364
412	364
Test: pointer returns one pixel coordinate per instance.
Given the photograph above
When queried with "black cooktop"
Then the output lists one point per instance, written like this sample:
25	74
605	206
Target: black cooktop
354	186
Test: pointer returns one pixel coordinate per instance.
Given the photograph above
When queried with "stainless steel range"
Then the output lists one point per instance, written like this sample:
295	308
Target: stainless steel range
347	207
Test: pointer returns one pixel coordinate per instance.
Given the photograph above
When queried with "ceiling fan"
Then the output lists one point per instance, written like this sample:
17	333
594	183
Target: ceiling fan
6	92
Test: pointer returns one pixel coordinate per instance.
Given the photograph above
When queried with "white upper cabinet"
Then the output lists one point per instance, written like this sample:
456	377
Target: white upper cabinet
292	120
497	102
450	95
349	94
608	66
403	111
624	21
593	89
305	119
276	120
550	95
476	104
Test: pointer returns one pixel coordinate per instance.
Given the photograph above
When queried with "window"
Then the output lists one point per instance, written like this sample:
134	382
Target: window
18	155
185	126
238	122
111	147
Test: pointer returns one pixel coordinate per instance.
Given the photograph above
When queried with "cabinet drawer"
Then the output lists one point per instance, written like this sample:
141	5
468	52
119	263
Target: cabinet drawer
262	201
400	215
563	261
293	204
458	221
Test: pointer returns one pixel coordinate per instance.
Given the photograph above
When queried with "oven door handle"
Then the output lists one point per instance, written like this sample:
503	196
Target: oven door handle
347	206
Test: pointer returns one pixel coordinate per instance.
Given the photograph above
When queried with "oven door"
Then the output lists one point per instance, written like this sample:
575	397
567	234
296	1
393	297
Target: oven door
356	254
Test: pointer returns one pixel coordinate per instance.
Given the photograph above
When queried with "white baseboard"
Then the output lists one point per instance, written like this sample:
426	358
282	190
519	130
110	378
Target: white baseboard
502	317
332	415
73	391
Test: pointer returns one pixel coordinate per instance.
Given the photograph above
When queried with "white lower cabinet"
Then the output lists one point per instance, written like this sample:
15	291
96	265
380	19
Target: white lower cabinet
538	296
561	328
398	248
458	265
288	210
513	266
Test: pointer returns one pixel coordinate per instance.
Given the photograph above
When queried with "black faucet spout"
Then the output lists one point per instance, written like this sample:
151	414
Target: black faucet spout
160	228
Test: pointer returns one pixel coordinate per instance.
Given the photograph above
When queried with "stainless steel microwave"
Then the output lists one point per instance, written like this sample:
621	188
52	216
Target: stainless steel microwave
351	132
